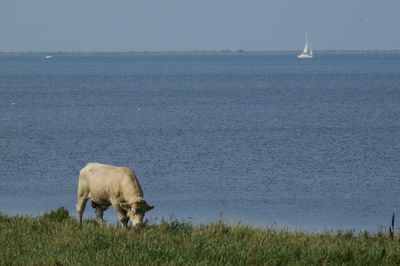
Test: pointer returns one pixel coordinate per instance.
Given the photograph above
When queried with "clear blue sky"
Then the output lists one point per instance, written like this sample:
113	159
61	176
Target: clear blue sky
176	25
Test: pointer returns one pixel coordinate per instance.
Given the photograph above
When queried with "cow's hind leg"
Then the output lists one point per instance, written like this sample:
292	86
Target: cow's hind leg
80	207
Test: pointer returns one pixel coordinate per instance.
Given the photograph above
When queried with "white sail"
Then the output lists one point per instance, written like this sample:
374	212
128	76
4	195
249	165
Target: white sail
306	53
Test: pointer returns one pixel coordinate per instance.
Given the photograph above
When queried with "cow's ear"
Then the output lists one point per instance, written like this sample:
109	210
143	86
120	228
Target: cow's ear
125	206
149	207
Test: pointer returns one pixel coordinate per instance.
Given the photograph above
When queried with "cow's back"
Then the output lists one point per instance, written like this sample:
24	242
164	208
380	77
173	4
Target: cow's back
102	182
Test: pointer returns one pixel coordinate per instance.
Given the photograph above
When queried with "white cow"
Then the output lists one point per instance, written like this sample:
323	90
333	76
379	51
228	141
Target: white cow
111	185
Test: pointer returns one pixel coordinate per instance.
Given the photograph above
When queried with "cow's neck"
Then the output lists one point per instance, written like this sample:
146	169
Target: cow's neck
133	197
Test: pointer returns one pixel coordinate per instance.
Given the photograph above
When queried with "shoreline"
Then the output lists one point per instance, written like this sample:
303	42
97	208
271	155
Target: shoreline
110	219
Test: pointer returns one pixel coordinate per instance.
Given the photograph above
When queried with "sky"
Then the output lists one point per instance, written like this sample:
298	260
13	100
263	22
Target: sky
186	25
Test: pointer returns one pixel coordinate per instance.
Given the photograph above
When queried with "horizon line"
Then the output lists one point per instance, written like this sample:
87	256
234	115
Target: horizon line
204	51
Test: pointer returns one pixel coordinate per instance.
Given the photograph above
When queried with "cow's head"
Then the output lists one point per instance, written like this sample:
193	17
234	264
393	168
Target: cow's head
136	210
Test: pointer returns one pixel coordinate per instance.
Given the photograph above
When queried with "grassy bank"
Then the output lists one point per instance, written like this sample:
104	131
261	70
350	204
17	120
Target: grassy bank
55	239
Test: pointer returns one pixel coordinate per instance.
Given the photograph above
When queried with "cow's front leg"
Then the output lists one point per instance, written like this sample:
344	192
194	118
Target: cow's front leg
124	221
122	215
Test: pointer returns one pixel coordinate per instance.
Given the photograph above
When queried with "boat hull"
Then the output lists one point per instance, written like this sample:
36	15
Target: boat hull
304	56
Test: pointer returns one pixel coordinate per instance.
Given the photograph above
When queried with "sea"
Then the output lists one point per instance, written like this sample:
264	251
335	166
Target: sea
260	139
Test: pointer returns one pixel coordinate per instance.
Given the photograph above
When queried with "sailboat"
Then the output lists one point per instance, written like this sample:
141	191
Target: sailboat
307	52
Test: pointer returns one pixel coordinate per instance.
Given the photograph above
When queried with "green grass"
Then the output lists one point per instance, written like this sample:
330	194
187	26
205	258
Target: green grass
56	239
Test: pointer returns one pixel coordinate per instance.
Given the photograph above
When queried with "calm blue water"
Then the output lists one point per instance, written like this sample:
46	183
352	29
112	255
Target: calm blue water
260	139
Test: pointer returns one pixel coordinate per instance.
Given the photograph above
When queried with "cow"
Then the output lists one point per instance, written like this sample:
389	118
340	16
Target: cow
112	185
